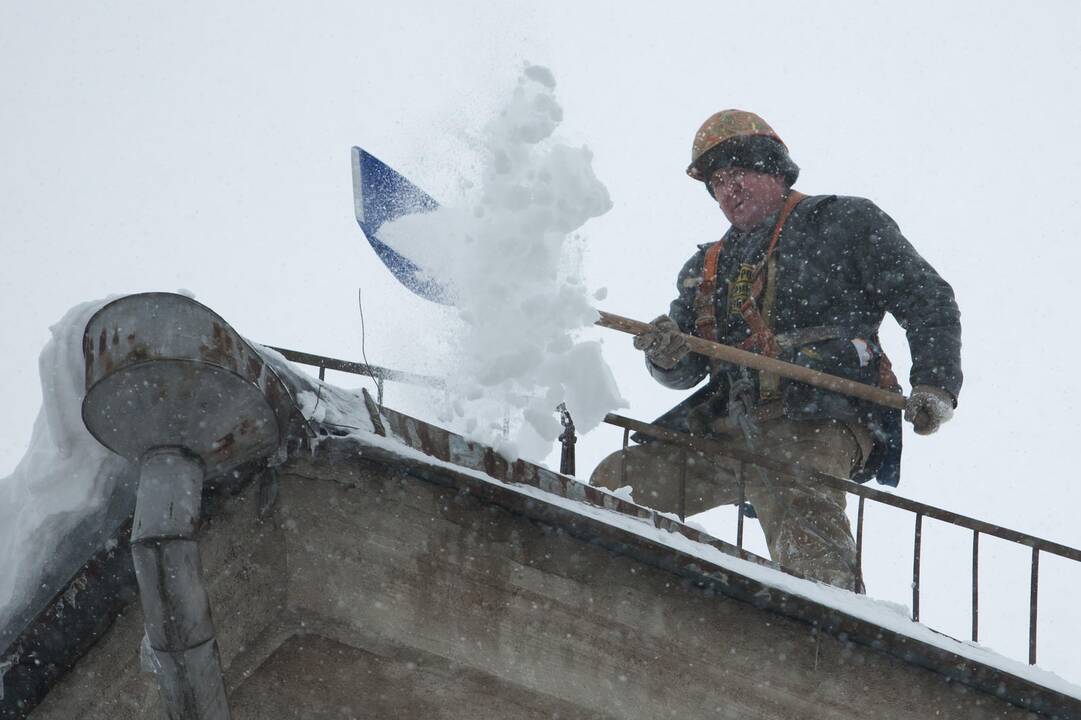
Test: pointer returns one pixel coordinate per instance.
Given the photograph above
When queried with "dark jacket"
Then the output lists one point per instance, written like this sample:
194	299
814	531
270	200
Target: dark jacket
841	262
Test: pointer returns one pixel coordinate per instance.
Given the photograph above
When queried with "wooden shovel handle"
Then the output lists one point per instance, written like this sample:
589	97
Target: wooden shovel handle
822	380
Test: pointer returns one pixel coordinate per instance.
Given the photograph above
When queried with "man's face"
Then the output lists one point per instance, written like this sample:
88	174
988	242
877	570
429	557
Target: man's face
747	197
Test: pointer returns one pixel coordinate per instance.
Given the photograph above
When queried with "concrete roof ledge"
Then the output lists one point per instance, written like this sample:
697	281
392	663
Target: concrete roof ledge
597	515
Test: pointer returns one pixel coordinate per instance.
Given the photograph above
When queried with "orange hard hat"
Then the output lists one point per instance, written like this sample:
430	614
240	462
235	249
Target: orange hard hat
720	127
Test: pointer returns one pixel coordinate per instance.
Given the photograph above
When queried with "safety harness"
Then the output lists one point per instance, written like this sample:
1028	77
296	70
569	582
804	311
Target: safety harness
760	281
742	293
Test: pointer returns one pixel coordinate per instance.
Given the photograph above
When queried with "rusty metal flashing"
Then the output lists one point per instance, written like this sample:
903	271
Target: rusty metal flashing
452	448
63	632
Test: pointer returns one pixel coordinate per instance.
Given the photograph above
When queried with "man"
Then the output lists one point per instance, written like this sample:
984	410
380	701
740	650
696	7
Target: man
807	280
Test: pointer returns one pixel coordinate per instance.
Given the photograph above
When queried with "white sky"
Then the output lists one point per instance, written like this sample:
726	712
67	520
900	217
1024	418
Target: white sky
206	146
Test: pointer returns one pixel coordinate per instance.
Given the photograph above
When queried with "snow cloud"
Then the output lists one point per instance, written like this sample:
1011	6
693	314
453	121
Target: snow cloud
510	257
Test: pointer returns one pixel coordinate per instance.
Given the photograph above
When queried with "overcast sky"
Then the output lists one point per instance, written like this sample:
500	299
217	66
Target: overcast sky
206	146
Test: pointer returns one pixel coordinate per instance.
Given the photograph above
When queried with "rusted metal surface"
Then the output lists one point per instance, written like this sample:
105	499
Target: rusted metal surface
164	369
373	413
451	448
78	615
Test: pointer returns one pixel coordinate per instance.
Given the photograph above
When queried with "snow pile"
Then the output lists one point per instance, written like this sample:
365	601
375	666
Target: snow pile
64	475
511	262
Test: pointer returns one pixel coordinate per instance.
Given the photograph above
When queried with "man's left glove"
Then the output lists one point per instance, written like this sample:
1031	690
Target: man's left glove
663	344
927	408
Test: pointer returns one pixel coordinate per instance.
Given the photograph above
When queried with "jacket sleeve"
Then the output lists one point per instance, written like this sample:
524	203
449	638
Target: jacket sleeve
901	282
689	371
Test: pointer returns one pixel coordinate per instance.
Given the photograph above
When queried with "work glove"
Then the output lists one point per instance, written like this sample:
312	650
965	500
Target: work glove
663	344
927	408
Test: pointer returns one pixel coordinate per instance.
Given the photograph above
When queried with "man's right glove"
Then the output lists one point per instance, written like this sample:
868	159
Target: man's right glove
664	344
927	408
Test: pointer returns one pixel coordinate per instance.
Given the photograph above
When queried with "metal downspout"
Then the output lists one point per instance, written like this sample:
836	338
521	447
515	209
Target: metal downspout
173	388
176	608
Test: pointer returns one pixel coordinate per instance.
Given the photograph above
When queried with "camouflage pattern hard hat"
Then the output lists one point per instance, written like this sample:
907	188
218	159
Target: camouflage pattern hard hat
722	126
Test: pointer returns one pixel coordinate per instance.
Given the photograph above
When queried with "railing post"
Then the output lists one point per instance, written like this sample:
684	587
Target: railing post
567	439
916	568
623	458
683	488
739	516
859	543
1033	596
975	585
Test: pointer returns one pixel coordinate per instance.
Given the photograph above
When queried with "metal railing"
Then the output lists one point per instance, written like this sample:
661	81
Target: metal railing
921	510
355	368
688	442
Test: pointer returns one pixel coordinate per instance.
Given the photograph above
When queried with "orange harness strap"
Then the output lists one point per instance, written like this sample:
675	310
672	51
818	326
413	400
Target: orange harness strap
887	379
761	338
705	322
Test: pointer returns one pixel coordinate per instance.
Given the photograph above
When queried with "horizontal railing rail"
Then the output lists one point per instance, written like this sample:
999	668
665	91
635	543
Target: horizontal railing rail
355	368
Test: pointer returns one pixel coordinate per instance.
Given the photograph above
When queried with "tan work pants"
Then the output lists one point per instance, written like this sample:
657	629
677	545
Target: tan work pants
804	522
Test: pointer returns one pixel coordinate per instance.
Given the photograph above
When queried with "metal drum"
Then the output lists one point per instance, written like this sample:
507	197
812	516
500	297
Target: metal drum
165	370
